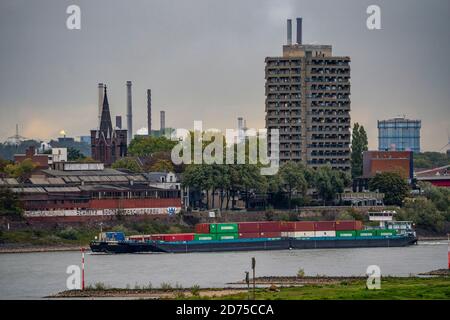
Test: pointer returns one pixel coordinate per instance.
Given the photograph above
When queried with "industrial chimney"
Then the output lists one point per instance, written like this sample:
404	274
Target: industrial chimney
240	137
289	32
118	122
163	122
100	103
299	30
129	114
149	111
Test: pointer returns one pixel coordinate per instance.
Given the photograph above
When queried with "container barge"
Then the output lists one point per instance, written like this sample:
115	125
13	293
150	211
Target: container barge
250	236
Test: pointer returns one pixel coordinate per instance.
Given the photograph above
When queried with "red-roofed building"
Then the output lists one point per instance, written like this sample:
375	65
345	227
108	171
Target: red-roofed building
42	160
439	177
388	161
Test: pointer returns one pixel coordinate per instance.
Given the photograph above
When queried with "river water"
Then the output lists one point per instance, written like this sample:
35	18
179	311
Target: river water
36	275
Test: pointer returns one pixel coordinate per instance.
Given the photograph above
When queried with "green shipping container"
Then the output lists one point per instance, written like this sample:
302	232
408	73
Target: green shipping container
227	236
205	237
386	232
223	228
346	234
366	233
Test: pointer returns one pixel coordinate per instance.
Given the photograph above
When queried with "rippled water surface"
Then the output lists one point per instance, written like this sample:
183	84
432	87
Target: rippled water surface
35	275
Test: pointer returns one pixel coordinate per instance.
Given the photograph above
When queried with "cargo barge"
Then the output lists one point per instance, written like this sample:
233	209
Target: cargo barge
252	236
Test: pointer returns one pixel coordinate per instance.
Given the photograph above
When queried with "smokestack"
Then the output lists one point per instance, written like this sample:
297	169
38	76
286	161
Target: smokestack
289	32
119	122
163	121
240	137
129	114
299	30
100	102
149	111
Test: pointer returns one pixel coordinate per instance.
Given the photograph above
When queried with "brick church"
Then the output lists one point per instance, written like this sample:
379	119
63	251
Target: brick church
108	143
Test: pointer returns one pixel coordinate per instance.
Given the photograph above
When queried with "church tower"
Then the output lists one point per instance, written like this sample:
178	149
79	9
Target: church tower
108	144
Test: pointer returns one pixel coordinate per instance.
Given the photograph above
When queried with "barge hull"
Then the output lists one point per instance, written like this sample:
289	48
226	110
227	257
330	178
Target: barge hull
249	245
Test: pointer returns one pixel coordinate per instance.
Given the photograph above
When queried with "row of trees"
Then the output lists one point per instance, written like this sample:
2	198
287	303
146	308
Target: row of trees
291	182
430	211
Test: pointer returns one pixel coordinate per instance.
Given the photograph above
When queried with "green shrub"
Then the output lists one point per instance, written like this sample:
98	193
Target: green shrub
166	286
68	234
195	290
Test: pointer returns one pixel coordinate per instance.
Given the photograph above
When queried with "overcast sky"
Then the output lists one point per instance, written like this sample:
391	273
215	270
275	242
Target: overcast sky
204	60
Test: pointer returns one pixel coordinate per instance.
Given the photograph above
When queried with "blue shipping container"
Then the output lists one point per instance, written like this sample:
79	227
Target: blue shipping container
115	236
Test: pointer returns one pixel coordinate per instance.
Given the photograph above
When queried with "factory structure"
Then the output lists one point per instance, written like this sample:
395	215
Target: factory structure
399	134
109	143
71	191
308	101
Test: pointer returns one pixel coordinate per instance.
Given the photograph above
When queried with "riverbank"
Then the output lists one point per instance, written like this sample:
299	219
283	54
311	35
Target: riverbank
391	288
29	248
290	288
121	293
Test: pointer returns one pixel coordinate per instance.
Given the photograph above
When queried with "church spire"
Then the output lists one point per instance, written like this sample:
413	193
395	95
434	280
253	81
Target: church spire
105	122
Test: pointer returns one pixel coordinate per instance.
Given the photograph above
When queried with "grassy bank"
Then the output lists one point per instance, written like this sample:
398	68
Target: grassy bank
391	289
314	288
79	236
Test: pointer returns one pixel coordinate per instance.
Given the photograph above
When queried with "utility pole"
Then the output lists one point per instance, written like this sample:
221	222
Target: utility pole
247	280
254	283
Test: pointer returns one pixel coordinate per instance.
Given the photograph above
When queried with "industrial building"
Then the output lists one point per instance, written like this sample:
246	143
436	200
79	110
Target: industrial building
388	161
308	101
42	161
399	134
88	189
439	177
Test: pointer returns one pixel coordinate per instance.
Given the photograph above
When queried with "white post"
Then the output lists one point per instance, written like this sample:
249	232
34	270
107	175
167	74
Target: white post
82	268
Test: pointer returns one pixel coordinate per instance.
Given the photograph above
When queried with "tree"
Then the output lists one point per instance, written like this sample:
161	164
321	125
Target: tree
9	203
74	154
423	213
359	145
3	164
292	179
145	146
329	182
20	170
198	177
162	165
128	164
393	185
429	160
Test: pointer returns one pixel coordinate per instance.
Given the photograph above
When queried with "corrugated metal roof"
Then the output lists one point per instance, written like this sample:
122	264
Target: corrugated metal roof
47	181
11	181
70	179
62	189
105	172
29	190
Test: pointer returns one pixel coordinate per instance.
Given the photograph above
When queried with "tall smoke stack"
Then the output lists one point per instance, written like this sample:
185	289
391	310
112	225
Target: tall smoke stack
100	102
299	30
162	121
240	137
118	122
149	111
289	32
129	114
